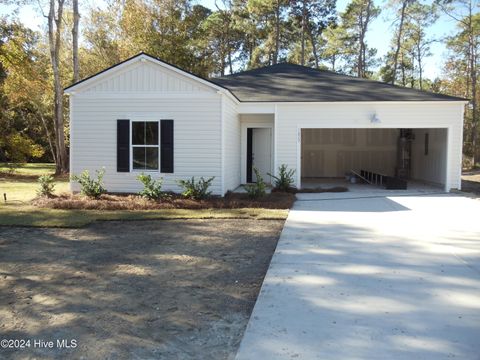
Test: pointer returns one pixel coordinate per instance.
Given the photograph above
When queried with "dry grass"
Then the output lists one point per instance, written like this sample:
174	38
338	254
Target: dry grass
135	202
65	210
33	216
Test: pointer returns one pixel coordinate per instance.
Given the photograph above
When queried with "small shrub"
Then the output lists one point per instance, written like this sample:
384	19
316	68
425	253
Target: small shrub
93	188
284	181
257	189
47	185
152	189
196	190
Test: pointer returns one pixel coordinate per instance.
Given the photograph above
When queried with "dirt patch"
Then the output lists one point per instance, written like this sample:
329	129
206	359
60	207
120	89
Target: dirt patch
142	290
174	201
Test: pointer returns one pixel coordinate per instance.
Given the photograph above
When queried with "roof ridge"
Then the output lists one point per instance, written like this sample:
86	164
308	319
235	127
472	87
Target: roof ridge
334	73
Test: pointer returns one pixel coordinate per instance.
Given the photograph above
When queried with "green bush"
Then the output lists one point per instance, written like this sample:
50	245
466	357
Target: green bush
196	189
257	189
18	148
152	189
47	185
93	188
285	180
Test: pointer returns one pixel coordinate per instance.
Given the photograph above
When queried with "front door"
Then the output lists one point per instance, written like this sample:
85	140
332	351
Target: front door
261	153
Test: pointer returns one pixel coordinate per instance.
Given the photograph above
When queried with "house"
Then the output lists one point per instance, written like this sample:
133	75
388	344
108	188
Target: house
145	115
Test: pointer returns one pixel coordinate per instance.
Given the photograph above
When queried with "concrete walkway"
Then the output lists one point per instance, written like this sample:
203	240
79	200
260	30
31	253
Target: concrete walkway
372	278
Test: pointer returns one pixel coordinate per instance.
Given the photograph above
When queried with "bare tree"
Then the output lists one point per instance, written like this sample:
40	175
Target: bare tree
76	21
364	21
465	20
54	17
404	4
356	20
277	31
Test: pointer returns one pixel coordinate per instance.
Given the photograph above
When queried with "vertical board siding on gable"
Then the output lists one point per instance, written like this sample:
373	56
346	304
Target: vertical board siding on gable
357	115
147	77
231	133
197	147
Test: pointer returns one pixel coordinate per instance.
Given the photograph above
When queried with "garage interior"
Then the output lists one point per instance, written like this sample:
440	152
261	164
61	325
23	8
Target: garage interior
416	156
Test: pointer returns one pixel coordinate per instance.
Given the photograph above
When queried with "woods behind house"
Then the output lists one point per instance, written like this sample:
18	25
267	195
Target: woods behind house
80	40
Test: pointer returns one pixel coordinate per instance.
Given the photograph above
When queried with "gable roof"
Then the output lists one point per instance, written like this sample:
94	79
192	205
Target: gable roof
139	57
287	82
295	83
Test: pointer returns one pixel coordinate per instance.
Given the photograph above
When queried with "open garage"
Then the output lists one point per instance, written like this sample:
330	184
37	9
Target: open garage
418	155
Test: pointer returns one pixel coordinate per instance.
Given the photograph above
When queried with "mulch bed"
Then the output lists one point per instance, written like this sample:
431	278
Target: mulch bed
276	200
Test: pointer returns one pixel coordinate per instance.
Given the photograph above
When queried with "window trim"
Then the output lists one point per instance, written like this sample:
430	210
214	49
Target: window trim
131	146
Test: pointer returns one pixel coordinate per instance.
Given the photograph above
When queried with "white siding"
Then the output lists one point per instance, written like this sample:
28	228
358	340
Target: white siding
145	76
197	150
292	117
231	144
431	167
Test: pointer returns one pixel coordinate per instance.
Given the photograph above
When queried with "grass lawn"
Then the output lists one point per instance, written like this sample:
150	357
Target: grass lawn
21	189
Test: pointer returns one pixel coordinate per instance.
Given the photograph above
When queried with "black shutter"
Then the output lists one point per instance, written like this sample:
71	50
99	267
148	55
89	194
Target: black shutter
123	145
249	154
166	146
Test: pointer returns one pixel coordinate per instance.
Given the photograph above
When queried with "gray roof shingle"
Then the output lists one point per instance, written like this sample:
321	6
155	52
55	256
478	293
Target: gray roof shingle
294	83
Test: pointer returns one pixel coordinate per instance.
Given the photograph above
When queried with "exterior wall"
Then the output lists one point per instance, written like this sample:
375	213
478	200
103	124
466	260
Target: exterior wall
333	152
145	76
231	144
197	148
292	117
431	167
132	94
253	121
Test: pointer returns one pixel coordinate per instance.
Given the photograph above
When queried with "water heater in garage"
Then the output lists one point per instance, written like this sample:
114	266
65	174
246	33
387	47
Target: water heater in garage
404	153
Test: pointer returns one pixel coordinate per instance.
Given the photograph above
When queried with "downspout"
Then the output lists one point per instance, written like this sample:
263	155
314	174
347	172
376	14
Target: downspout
222	141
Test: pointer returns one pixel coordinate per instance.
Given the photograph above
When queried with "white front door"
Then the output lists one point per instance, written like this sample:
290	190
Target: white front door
262	152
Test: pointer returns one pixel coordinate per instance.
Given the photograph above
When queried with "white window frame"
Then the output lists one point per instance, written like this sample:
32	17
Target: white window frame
144	146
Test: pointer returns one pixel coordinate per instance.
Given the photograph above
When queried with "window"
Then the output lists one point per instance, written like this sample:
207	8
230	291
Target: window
145	147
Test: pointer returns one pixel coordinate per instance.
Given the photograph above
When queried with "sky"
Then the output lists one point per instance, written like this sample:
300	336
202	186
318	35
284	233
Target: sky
378	36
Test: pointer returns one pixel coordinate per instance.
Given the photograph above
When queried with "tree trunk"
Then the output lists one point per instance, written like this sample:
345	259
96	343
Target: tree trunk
54	39
76	20
363	30
222	65
420	66
277	31
304	20
314	46
361	41
472	65
399	39
473	75
230	64
49	138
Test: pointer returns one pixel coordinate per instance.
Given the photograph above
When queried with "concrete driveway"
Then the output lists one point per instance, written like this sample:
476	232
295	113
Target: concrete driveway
372	277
